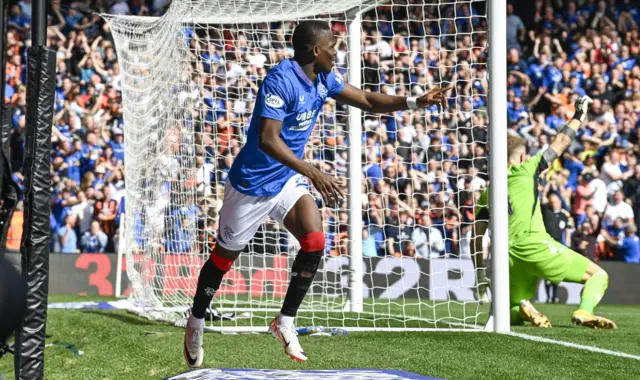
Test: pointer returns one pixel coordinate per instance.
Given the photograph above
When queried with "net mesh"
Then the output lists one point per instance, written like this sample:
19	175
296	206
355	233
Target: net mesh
189	81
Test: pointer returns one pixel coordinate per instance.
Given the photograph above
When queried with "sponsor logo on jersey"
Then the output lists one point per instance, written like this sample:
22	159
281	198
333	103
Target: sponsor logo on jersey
322	91
338	79
301	99
274	101
305	120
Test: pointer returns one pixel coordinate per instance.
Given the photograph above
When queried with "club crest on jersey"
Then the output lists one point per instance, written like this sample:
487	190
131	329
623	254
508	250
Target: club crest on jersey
274	101
302	182
228	233
322	91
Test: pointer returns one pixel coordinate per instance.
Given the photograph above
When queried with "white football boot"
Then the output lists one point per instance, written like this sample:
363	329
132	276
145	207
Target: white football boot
193	352
289	338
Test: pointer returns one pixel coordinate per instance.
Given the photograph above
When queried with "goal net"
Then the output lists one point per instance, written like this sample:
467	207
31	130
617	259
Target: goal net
398	249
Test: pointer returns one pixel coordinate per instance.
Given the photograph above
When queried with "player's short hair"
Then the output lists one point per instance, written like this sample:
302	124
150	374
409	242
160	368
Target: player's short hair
514	145
307	34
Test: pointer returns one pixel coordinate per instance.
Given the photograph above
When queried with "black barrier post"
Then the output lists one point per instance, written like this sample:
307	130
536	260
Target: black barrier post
41	68
9	190
39	27
12	287
3	63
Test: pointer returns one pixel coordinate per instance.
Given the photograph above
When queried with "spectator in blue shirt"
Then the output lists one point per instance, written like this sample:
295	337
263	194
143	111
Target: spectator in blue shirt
627	246
73	161
373	170
17	20
555	120
514	63
117	144
73	18
575	166
536	70
574	85
67	235
571	15
515	111
94	241
553	76
181	237
625	59
368	244
62	206
616	229
91	152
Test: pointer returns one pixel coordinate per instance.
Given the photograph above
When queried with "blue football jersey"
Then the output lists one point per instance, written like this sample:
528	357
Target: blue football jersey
287	94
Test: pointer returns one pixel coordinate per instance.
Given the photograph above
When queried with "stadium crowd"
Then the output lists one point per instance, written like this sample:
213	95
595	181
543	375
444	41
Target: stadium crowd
423	169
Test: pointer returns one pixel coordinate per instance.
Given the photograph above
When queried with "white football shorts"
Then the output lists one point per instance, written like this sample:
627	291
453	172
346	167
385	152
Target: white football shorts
241	215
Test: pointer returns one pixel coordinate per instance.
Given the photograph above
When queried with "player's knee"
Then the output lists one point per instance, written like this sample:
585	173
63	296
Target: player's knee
313	242
312	248
602	274
306	263
223	258
596	272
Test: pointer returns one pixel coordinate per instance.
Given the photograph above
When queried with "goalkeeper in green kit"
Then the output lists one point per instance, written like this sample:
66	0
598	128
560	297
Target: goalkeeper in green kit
534	254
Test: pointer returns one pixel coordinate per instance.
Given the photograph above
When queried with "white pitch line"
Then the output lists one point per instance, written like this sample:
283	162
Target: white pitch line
575	345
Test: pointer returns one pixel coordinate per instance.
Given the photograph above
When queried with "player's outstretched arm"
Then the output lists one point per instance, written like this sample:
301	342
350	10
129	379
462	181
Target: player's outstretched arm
376	102
269	142
566	135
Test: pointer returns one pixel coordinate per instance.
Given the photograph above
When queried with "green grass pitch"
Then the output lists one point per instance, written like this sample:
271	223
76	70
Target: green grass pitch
118	345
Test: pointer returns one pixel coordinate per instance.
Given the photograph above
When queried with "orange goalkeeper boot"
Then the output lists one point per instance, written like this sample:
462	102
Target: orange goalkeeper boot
529	313
584	318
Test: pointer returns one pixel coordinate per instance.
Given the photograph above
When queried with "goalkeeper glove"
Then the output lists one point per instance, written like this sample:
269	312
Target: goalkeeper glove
583	104
483	283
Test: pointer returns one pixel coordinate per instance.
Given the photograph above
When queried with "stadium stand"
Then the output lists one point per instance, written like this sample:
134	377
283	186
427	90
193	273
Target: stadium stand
422	177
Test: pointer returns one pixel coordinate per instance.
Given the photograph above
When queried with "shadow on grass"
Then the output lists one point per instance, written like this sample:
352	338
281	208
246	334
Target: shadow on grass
531	330
129	319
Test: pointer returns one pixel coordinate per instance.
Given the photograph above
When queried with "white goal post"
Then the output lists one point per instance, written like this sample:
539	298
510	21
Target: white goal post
188	82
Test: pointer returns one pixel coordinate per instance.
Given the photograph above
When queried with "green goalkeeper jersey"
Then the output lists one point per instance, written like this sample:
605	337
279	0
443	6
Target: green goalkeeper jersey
525	216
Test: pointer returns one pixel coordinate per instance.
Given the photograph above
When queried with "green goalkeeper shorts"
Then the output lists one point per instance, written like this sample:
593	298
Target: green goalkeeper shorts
540	256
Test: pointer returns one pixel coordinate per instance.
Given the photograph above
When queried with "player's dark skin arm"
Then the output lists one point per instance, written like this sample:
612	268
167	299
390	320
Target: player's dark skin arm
375	102
270	142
